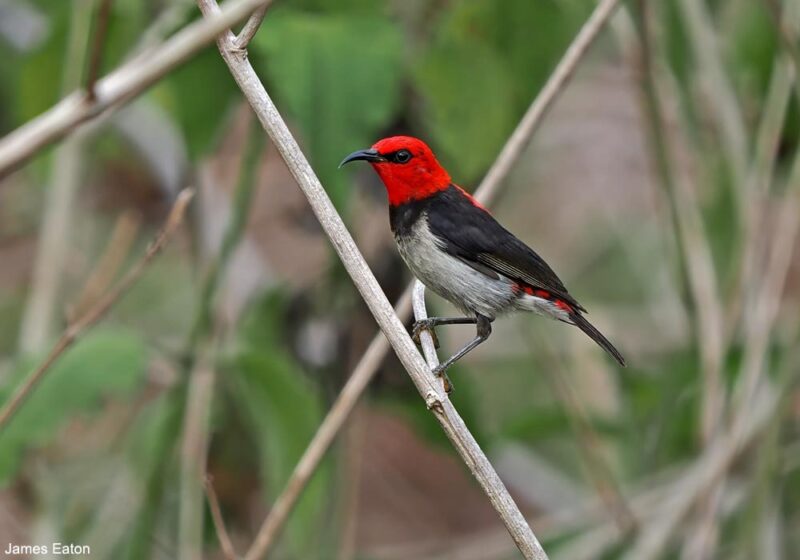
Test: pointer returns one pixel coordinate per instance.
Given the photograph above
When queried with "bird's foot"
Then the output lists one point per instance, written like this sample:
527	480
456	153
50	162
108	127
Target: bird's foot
424	325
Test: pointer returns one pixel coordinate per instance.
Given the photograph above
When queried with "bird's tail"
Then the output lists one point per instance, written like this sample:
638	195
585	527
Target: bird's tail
580	321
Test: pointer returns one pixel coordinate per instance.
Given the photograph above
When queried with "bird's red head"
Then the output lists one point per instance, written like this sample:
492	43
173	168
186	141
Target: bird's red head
407	167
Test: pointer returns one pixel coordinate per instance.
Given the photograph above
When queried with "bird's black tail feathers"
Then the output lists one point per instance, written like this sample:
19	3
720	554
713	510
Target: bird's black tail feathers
580	321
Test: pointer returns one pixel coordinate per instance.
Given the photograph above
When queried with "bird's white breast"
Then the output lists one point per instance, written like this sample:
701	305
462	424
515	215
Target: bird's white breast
451	278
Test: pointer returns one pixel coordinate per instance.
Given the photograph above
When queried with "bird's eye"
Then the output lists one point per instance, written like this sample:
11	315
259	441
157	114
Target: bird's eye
402	156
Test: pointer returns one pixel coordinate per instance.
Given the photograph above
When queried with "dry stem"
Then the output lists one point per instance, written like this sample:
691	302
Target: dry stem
194	450
219	523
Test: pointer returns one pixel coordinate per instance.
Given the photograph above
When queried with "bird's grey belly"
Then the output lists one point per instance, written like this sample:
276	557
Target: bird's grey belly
466	288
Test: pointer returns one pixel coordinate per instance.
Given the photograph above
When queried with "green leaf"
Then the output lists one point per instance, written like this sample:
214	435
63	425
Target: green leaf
105	363
337	78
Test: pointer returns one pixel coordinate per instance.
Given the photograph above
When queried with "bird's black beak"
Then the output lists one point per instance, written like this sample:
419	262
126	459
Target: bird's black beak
370	155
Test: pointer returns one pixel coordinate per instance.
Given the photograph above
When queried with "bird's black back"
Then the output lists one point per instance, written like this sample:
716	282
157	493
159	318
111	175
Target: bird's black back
471	234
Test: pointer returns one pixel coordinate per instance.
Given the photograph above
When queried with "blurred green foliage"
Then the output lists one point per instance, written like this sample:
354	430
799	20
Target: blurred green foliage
459	73
108	362
283	410
481	69
338	78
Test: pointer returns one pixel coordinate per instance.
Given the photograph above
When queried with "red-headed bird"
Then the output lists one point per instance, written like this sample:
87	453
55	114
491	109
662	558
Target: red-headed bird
457	249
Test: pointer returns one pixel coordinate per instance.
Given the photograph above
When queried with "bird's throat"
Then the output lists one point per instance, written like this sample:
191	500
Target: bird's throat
408	184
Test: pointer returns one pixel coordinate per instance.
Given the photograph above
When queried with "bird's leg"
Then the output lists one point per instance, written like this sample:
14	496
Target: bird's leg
431	322
484	325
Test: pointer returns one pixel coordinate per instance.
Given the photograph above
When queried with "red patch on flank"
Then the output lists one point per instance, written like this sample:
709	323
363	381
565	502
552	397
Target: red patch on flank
535	292
471	198
563	305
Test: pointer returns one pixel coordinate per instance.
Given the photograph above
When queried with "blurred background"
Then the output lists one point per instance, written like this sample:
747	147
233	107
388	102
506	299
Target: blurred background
662	187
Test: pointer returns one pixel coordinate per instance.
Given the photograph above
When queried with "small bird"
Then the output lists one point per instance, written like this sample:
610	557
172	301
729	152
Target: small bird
454	246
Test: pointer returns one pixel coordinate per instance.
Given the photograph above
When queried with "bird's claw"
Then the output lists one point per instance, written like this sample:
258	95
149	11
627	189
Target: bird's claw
440	371
424	325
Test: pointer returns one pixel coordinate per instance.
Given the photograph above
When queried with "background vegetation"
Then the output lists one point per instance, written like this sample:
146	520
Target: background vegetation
662	188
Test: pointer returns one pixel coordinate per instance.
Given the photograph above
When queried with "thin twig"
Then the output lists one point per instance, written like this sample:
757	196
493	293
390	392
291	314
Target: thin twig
204	338
40	316
700	476
194	450
237	223
324	436
768	300
219	523
776	105
36	329
723	104
98	40
515	523
786	31
116	251
544	100
760	310
599	471
659	99
250	28
99	310
379	346
120	86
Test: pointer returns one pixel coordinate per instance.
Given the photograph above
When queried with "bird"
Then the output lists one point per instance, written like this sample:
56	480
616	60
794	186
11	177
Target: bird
457	249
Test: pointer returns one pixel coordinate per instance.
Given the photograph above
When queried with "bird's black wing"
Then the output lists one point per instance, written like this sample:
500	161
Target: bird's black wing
471	234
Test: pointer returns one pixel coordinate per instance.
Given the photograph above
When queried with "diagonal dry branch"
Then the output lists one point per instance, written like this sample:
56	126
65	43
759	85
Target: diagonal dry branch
379	346
250	28
219	523
119	87
365	282
99	310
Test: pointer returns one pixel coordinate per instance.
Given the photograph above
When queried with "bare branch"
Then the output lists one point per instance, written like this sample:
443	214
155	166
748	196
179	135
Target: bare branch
379	346
194	450
119	87
99	310
516	524
765	152
65	178
768	300
219	523
660	107
250	28
599	471
723	103
111	261
324	436
555	84
701	475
